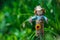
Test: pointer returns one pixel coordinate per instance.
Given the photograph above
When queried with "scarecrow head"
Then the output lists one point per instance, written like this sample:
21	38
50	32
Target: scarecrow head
39	10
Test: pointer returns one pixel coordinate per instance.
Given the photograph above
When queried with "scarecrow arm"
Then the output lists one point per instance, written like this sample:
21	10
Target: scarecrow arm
33	18
46	19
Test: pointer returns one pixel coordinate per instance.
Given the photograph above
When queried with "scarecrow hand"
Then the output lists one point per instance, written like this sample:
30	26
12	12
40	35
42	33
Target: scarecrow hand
30	21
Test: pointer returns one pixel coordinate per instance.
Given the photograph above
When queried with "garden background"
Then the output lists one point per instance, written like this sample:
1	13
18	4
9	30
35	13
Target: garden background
15	13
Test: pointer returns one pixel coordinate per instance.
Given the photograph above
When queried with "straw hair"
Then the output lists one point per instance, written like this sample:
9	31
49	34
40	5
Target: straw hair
38	8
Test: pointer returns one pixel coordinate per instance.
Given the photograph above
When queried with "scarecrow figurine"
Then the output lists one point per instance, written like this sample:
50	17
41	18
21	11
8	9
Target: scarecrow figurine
39	18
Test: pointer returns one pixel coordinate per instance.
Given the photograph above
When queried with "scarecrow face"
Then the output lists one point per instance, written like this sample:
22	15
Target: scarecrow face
39	12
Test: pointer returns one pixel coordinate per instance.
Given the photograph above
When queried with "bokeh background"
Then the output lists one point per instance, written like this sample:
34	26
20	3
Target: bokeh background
15	13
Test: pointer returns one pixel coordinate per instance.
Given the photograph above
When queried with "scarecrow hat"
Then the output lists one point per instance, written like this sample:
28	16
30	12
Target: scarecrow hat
38	8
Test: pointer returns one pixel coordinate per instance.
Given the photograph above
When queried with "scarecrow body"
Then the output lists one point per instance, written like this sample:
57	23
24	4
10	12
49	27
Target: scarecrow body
39	18
39	24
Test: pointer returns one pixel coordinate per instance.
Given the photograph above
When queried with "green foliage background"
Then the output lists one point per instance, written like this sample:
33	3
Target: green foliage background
13	13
